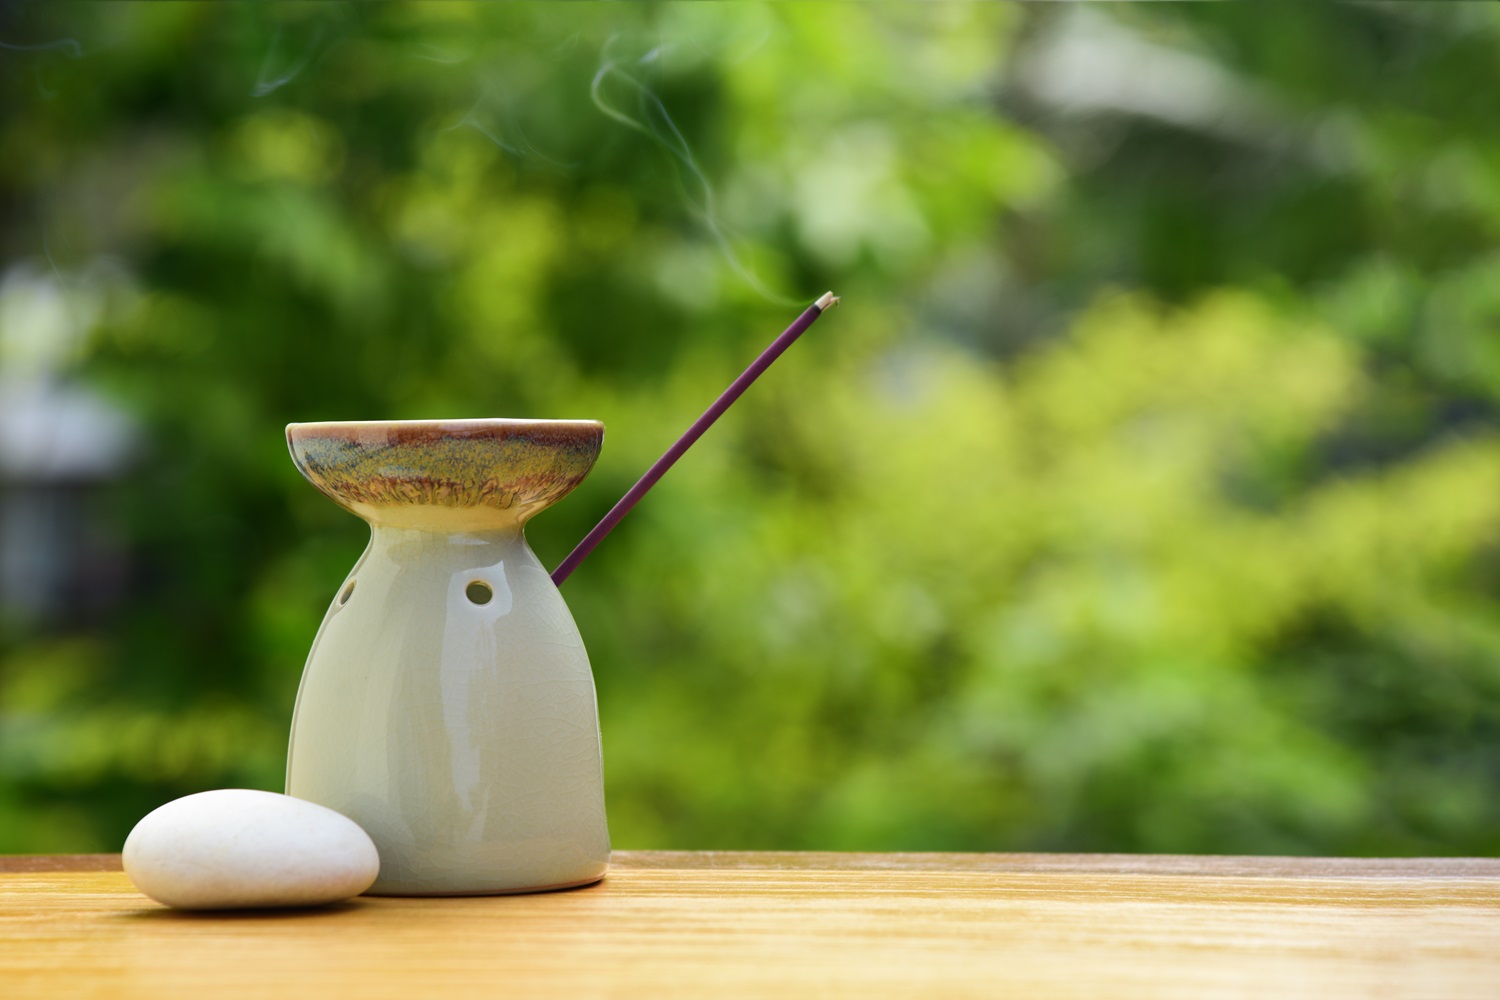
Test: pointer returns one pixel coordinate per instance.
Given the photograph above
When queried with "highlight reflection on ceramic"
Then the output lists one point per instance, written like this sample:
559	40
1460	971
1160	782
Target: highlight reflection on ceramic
447	705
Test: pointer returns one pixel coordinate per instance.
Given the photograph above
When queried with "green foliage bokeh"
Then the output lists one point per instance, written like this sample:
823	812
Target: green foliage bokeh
1143	494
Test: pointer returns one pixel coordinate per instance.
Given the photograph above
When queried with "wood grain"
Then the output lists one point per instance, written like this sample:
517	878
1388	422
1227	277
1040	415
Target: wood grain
706	924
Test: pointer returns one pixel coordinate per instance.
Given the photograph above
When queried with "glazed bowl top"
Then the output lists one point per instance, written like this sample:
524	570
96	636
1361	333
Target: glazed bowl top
446	474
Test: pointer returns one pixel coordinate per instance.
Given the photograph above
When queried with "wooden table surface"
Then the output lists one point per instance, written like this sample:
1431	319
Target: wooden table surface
785	925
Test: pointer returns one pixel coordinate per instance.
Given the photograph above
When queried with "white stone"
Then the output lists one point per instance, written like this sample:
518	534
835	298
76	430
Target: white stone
237	848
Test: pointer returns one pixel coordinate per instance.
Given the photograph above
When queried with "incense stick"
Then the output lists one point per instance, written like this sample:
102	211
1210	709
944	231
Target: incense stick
693	433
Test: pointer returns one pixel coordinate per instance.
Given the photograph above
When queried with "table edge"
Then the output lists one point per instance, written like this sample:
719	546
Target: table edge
1223	866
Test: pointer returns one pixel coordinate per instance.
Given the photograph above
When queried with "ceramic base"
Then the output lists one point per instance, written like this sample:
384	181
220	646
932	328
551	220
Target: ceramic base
495	892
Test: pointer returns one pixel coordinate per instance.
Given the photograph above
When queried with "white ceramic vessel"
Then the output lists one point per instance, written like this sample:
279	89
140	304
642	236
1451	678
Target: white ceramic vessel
447	705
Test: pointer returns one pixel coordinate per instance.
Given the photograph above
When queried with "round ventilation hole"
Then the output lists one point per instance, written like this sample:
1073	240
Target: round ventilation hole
478	592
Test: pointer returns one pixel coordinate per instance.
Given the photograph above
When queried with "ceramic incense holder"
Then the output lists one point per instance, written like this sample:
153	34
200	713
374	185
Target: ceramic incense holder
447	706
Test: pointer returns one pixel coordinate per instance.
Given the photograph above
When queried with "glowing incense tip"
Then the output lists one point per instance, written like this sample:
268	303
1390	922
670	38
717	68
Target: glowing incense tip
693	433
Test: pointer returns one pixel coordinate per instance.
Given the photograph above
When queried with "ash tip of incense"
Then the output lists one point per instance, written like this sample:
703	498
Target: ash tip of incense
827	300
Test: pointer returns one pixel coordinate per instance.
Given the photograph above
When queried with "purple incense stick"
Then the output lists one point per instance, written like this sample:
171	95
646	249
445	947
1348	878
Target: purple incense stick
693	433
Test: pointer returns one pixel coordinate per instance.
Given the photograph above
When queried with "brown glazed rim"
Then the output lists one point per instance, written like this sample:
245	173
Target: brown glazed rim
421	429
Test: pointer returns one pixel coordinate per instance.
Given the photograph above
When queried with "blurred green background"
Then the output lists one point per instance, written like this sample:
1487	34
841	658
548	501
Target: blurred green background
1142	495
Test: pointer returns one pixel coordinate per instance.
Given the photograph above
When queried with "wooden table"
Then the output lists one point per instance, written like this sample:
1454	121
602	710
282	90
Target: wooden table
784	925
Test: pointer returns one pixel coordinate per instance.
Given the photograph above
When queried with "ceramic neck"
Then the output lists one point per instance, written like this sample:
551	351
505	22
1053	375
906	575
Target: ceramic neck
394	538
475	521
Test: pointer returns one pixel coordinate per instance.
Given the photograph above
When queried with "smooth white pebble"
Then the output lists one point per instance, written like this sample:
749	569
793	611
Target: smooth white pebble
236	848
